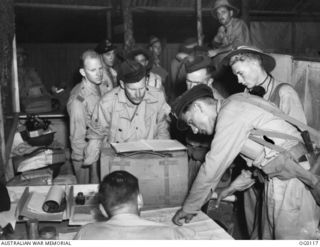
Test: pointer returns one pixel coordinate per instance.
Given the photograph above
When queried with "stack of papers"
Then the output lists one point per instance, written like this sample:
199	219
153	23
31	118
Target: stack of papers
148	145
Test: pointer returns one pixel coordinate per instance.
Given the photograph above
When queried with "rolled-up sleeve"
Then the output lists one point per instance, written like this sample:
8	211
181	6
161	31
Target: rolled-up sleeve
163	119
99	126
77	116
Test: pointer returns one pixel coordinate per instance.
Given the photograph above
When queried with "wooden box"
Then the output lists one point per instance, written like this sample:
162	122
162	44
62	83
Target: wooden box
163	178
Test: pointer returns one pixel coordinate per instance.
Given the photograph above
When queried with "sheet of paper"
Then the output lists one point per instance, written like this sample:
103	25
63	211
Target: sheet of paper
36	202
130	147
148	145
164	145
204	227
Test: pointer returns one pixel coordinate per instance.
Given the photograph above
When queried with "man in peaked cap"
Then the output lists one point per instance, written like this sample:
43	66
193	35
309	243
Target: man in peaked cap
291	211
129	112
107	52
178	71
232	33
83	98
199	71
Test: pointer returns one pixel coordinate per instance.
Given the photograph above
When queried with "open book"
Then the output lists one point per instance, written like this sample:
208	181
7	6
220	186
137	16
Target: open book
148	145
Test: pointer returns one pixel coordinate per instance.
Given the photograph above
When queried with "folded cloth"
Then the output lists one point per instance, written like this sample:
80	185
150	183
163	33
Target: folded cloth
39	159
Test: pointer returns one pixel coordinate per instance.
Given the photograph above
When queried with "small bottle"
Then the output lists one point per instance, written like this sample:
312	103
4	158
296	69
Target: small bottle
33	229
48	232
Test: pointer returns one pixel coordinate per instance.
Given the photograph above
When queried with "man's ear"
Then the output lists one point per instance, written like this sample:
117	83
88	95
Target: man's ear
198	106
140	201
121	84
82	72
210	81
231	13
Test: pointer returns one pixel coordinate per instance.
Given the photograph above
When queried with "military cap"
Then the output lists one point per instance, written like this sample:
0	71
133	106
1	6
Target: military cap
186	99
131	71
223	3
105	46
195	63
268	62
153	39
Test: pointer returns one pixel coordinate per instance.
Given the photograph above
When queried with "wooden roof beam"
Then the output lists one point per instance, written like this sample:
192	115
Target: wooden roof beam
61	6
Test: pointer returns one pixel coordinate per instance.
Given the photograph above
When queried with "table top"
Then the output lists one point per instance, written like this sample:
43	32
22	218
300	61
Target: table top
202	224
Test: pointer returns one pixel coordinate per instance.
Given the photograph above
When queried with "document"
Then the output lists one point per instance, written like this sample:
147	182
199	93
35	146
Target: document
148	145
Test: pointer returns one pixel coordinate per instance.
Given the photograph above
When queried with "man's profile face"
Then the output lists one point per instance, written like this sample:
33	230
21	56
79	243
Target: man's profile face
92	70
197	77
135	92
247	73
109	58
224	15
140	58
198	121
156	48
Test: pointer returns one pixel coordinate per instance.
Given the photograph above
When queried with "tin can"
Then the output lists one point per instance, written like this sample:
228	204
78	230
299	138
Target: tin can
33	229
48	232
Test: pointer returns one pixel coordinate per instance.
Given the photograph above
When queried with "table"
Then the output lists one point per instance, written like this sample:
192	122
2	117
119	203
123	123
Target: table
205	227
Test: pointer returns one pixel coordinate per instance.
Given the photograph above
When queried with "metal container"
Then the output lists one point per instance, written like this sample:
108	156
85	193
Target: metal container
48	232
33	229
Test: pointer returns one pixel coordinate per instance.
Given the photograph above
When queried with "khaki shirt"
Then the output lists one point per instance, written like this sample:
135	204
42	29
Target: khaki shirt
109	80
81	103
130	226
154	80
236	33
289	203
116	119
235	120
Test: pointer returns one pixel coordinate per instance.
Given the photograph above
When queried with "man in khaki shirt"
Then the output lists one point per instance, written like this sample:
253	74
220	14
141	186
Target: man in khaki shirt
129	112
81	103
121	200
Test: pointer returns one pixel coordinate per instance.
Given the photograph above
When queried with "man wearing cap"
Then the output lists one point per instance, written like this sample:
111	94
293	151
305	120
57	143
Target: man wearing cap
178	71
292	212
129	112
81	103
107	51
252	67
144	57
199	71
232	33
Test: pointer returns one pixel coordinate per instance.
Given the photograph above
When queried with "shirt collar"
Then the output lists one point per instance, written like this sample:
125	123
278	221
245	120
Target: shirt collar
149	97
90	89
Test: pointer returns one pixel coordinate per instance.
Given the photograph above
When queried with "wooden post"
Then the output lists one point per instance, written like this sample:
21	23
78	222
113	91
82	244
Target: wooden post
245	7
7	28
109	25
199	21
15	82
293	37
128	25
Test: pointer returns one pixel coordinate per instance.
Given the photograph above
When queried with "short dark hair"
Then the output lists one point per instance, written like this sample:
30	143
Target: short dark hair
118	188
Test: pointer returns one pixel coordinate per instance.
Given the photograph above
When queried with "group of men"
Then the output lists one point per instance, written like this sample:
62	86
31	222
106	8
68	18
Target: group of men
281	195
